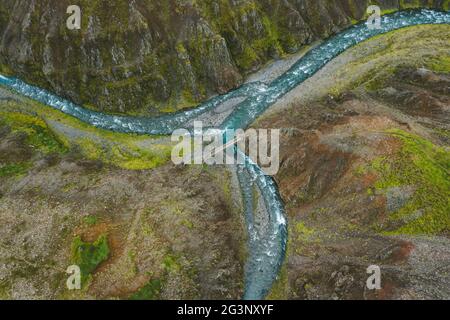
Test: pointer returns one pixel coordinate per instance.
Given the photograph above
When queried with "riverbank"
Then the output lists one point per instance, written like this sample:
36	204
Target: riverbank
155	231
157	57
360	140
421	46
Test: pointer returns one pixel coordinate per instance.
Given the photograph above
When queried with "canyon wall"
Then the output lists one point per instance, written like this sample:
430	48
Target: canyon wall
148	57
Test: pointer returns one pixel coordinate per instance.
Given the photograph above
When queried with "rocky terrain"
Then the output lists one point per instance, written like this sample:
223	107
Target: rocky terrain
365	171
148	57
166	233
364	168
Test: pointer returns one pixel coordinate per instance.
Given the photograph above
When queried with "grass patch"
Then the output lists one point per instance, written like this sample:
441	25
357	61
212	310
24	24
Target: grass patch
39	136
171	264
392	51
14	170
90	220
424	166
134	158
4	291
443	133
88	256
151	291
440	64
303	233
126	151
280	288
90	149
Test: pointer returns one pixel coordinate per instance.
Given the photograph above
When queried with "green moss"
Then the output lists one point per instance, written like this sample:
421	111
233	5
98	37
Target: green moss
303	233
14	170
446	5
127	157
248	59
90	149
360	170
151	291
88	256
171	263
70	187
90	220
391	52
4	291
39	136
254	47
187	223
140	159
440	64
410	4
444	133
5	70
424	166
280	289
118	149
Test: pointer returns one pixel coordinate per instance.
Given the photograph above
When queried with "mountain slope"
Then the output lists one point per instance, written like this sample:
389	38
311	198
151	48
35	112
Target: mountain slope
147	56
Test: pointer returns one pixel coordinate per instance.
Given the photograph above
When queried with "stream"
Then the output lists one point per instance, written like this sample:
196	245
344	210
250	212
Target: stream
267	241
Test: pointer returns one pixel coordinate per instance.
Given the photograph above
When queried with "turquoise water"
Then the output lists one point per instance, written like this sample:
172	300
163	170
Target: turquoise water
267	243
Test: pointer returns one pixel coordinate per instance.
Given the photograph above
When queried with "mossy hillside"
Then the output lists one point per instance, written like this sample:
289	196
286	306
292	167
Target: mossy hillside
440	64
125	57
425	167
301	236
171	267
238	21
39	136
4	16
4	290
127	151
14	170
412	47
123	72
446	5
280	289
88	256
126	157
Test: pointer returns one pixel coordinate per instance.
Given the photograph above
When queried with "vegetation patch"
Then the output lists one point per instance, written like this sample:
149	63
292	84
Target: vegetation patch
90	220
303	233
127	151
14	170
39	136
88	256
391	52
424	166
4	291
151	291
440	64
280	289
171	263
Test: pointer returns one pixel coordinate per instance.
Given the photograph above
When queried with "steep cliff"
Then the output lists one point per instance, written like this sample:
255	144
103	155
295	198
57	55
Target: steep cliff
158	56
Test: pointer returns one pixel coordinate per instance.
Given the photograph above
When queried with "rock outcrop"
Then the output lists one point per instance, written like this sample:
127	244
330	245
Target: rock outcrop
155	56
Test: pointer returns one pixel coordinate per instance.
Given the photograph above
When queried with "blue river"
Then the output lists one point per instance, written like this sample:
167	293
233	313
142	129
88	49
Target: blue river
267	243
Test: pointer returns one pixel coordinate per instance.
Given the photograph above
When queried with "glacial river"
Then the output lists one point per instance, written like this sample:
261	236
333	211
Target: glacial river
267	241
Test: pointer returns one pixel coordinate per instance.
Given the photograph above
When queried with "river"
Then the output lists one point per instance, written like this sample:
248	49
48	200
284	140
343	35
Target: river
267	241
